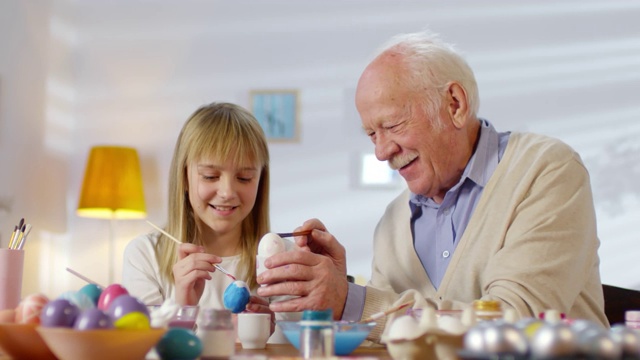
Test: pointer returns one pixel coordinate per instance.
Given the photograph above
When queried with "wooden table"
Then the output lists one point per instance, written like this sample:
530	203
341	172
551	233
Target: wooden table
286	351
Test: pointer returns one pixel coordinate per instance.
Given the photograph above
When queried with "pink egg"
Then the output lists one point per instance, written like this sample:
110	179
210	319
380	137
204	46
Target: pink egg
109	294
29	309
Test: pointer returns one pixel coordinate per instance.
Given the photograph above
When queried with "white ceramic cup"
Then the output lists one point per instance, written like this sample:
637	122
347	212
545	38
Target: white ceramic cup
254	330
11	265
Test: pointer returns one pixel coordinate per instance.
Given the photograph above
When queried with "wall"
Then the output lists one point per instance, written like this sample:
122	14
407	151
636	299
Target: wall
130	73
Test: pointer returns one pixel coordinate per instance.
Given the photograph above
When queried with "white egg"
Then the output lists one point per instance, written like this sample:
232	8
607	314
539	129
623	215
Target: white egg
404	327
271	244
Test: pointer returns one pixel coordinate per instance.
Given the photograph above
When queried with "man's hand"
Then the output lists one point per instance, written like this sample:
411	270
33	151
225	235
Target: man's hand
315	274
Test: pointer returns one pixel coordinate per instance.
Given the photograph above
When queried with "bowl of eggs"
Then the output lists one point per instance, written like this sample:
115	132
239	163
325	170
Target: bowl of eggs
105	324
347	335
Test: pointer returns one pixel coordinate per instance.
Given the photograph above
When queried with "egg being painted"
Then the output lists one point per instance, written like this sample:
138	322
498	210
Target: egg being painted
236	296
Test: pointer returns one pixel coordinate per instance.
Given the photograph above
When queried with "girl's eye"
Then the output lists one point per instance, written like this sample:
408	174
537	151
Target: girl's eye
244	179
207	177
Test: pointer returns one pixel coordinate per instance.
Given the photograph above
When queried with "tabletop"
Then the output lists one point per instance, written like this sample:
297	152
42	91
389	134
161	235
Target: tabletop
288	352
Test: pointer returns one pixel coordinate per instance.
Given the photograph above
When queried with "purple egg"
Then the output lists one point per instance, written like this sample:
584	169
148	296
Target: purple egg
125	304
93	318
59	313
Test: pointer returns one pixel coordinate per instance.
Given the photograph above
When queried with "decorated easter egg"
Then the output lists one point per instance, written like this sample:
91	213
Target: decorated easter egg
110	293
554	340
81	300
93	291
179	343
93	318
59	313
628	339
133	320
598	344
236	296
529	326
29	309
125	304
496	337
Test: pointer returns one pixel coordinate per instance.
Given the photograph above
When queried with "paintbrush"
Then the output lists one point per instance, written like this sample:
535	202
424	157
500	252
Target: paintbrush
296	233
23	237
391	310
84	278
218	267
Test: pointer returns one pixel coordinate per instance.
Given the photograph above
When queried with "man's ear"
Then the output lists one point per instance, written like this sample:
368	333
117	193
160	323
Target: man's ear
458	106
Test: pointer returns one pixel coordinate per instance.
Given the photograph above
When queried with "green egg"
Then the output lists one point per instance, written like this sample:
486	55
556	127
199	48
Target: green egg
179	343
92	291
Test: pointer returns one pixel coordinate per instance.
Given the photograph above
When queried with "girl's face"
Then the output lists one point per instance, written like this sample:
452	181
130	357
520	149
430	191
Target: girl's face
222	194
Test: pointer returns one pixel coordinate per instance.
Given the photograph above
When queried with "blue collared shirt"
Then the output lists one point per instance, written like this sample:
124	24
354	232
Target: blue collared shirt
437	228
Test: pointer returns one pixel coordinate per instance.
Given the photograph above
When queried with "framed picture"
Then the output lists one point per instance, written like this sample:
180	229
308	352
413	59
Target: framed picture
277	112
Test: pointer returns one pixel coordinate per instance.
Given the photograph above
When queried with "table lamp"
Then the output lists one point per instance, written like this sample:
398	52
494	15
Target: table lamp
112	189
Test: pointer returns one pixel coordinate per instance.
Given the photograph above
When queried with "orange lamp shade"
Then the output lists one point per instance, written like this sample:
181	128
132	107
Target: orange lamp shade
112	186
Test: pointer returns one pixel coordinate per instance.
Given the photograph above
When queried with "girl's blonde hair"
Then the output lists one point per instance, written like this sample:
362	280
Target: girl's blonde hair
219	131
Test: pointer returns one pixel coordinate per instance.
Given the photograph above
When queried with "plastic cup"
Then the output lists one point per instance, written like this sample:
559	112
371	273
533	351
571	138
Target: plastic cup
186	317
11	267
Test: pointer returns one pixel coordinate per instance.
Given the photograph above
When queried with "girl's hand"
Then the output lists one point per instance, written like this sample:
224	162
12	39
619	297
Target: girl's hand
193	268
259	304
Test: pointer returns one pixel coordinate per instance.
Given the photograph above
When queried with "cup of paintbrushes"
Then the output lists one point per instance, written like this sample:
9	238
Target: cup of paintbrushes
11	266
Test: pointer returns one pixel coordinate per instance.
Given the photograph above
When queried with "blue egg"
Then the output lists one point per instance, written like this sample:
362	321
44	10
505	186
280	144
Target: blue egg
236	296
93	291
179	344
81	300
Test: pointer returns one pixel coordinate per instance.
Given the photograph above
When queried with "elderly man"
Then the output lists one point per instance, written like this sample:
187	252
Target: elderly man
487	215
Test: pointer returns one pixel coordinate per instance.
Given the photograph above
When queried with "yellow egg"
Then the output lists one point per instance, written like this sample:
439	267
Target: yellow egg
133	320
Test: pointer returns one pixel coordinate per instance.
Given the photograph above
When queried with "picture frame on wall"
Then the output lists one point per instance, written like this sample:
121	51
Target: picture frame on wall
277	113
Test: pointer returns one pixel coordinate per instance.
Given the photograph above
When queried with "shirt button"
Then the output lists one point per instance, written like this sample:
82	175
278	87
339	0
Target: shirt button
447	211
445	254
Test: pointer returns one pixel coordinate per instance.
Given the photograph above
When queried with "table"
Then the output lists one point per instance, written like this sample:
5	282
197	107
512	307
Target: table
287	351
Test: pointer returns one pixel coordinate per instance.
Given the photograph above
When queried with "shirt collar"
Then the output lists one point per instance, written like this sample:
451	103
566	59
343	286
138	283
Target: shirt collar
479	168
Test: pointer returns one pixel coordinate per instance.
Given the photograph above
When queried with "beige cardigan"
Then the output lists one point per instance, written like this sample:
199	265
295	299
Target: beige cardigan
531	242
